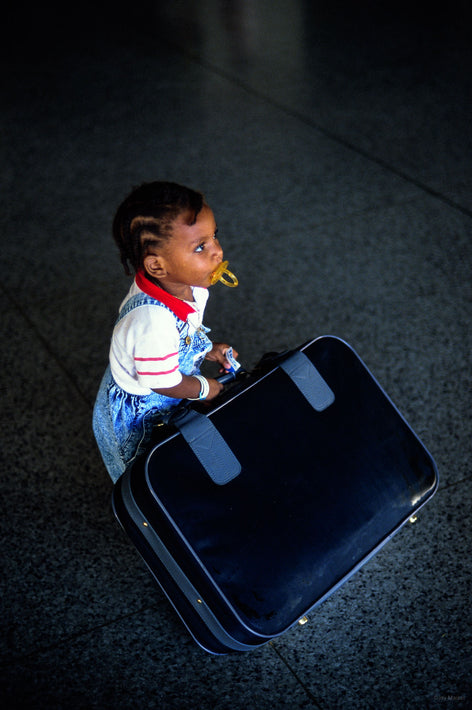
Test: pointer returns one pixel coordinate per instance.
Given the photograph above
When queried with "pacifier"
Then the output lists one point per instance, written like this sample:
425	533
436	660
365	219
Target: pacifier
220	274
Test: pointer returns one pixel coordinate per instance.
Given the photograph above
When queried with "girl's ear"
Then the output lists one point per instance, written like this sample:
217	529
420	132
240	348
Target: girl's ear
154	265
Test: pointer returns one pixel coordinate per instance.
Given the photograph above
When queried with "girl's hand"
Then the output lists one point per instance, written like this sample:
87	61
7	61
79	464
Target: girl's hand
218	354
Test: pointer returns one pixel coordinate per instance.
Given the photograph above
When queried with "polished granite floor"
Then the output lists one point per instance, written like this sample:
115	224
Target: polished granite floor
333	141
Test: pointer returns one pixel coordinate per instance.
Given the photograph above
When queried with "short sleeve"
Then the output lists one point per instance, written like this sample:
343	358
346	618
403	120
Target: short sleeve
156	352
146	348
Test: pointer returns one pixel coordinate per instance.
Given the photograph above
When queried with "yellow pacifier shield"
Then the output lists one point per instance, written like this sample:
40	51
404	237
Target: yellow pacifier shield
222	273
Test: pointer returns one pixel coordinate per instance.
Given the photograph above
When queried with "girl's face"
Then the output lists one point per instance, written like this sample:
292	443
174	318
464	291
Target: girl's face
191	255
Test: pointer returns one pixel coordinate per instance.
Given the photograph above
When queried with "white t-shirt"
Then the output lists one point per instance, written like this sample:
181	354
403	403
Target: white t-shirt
144	352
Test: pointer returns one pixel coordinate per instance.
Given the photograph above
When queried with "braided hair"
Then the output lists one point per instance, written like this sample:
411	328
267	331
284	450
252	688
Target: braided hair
146	218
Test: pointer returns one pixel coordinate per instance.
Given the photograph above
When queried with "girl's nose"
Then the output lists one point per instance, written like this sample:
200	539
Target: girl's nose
218	251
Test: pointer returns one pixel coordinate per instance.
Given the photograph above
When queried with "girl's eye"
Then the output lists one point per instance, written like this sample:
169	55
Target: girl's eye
200	248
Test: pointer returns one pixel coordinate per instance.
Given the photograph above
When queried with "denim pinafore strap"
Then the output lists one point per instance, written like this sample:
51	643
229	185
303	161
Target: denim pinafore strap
123	422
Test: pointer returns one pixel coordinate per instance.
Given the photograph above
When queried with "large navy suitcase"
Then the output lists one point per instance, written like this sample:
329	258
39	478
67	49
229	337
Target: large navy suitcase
253	511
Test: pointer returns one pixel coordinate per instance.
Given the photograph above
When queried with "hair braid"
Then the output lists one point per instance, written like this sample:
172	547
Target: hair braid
146	218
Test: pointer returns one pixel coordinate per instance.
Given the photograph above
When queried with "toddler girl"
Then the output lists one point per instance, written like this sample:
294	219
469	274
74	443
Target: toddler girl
167	235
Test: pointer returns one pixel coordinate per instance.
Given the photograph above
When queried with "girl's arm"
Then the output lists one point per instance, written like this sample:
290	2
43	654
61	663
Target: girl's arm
189	388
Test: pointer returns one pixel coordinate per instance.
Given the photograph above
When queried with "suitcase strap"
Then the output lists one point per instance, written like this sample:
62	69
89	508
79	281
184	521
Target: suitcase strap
306	377
209	447
212	450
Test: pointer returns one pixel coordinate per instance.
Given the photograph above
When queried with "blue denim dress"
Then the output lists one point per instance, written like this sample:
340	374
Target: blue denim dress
123	422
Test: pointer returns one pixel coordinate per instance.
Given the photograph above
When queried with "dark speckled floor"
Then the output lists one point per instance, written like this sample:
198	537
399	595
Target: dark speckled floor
334	142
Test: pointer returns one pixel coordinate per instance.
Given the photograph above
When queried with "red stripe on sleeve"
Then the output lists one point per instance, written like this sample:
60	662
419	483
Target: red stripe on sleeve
156	374
155	359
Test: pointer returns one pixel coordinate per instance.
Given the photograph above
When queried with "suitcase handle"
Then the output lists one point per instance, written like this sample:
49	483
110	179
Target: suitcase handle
229	376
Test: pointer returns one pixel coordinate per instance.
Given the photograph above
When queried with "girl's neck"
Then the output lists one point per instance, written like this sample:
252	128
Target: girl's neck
181	291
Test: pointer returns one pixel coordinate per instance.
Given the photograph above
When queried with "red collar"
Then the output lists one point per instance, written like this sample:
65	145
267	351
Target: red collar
181	309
